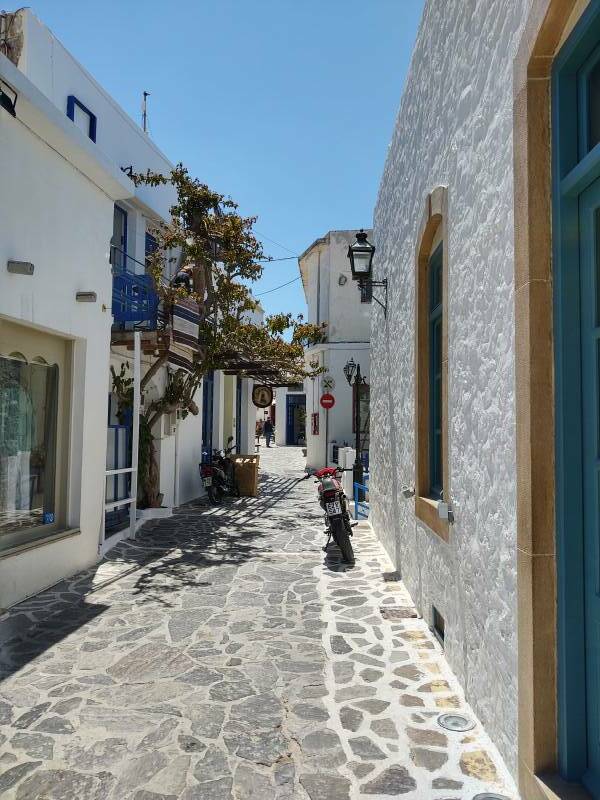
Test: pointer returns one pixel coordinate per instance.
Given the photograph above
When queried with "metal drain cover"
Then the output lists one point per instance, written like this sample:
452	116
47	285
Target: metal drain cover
459	723
397	612
490	796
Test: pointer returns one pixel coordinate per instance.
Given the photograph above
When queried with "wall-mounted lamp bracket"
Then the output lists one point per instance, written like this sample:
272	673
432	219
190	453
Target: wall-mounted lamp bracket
20	267
86	297
370	284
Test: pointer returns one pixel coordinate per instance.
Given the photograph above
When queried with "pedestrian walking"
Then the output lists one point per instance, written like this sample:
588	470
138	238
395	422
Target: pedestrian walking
268	431
259	431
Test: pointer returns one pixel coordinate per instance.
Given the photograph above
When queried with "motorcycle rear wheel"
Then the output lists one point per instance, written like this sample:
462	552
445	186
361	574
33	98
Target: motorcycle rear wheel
212	495
341	538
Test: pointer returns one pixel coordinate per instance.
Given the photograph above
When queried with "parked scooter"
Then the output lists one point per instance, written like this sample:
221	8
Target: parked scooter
207	475
334	503
224	479
218	473
224	471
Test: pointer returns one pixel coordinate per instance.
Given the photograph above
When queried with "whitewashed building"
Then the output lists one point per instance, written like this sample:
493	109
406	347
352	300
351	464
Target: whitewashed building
484	461
333	298
74	236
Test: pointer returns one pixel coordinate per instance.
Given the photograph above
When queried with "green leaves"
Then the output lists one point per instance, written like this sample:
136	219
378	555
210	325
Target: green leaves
216	249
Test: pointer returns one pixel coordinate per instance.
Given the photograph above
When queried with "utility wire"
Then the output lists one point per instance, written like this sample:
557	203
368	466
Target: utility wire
260	294
268	260
283	247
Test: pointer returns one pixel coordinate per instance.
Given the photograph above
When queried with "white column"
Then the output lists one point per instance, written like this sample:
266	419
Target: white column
135	439
218	409
248	426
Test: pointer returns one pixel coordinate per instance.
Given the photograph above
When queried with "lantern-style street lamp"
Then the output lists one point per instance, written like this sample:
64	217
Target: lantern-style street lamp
349	370
360	254
356	380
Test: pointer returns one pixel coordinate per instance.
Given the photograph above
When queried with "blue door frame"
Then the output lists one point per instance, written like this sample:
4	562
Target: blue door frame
575	168
208	384
293	402
118	486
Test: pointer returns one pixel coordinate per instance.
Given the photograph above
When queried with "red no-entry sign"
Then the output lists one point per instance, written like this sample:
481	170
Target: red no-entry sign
327	400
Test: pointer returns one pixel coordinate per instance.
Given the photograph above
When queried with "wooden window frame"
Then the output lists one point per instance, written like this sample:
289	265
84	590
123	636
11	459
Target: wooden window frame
434	220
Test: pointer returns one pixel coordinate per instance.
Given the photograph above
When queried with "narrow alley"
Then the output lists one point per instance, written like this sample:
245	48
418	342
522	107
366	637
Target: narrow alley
220	656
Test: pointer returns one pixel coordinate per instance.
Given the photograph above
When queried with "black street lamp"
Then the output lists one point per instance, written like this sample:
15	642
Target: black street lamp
356	380
361	254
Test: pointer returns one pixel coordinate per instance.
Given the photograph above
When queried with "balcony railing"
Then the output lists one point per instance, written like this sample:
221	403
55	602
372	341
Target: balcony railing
135	300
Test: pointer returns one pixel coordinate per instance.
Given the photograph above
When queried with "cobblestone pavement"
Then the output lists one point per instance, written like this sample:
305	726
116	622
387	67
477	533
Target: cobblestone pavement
218	656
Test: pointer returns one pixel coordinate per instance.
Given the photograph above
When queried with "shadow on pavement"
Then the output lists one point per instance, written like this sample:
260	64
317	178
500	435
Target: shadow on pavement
167	556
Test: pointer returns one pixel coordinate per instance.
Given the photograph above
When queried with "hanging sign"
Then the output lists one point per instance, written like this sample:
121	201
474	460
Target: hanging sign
327	400
262	396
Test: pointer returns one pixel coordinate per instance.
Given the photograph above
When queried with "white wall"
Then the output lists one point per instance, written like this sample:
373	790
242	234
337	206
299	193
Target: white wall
334	298
455	128
322	266
49	66
55	217
248	426
335	425
189	454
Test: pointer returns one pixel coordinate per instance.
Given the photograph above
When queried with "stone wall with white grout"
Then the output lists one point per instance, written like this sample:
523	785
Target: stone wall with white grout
455	128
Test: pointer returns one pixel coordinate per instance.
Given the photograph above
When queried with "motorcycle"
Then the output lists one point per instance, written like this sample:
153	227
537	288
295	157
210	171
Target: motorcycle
223	466
334	503
207	474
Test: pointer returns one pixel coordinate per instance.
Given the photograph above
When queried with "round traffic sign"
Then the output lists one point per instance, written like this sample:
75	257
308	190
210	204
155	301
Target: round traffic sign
327	400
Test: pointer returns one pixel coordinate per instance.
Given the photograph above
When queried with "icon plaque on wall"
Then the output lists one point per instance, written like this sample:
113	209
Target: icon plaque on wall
262	396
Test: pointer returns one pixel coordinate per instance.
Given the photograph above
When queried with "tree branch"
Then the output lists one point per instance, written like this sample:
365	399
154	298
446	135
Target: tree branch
152	372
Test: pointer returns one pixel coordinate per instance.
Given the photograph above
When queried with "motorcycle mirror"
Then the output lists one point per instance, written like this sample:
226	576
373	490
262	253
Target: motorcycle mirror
230	439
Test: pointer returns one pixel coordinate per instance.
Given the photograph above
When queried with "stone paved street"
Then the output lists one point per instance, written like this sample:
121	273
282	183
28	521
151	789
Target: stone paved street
219	656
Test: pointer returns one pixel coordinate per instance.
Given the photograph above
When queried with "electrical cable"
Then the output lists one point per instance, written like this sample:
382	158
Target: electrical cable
268	260
260	294
283	247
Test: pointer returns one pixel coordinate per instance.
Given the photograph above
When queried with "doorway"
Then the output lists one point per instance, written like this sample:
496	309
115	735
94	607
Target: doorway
208	384
295	428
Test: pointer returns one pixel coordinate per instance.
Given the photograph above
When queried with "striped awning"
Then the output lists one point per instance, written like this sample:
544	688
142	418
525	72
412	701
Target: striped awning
185	327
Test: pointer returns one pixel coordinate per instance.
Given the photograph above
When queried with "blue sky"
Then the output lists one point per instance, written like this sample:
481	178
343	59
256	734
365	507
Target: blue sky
286	105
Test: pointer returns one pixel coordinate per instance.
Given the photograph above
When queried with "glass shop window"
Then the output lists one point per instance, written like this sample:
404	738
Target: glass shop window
28	420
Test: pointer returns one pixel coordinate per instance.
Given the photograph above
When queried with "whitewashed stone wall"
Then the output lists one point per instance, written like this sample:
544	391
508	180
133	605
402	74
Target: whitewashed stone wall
455	128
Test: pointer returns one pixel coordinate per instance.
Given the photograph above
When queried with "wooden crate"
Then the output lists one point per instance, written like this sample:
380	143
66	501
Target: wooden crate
246	474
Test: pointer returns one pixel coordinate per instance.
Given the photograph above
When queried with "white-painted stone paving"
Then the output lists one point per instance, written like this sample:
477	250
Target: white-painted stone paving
220	657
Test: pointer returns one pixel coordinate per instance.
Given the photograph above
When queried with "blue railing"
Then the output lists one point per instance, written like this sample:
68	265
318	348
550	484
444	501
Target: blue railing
134	300
361	507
